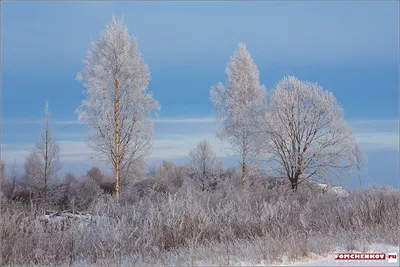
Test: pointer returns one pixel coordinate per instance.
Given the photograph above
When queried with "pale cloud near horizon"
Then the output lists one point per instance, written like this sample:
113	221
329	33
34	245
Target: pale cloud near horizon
71	122
361	122
38	121
372	135
392	122
379	141
167	147
190	120
377	134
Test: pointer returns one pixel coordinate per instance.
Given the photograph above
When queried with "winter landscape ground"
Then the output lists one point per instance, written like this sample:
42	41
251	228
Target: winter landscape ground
212	159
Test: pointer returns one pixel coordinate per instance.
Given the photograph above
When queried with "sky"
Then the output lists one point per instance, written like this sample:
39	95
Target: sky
349	48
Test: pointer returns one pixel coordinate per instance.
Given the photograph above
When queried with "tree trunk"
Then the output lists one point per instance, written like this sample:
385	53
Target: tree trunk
204	168
117	156
46	160
45	182
244	160
294	180
294	185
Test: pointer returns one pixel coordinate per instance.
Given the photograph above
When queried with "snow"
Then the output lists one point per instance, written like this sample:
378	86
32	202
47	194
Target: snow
61	217
329	259
338	190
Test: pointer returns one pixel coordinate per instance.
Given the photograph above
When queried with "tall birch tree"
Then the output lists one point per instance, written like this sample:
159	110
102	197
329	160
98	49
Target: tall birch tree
360	162
236	104
118	107
304	132
48	151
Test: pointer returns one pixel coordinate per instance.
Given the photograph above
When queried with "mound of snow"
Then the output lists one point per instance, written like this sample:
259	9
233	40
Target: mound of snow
337	190
60	218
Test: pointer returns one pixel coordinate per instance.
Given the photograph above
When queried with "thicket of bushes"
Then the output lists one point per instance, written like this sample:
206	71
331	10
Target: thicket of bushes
165	219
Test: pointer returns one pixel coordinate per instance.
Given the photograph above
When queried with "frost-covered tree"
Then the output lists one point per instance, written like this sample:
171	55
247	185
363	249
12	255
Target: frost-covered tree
117	108
48	151
2	176
135	172
202	165
33	177
171	175
95	174
236	103
69	177
360	162
304	132
2	170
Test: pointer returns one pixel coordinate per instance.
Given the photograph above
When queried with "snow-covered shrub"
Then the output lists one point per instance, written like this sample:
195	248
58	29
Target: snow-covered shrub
188	226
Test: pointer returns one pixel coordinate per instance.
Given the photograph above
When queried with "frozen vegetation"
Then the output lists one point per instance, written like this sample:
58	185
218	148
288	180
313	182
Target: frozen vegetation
169	220
277	207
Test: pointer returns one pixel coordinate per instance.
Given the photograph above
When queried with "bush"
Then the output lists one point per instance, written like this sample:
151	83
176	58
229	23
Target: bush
153	225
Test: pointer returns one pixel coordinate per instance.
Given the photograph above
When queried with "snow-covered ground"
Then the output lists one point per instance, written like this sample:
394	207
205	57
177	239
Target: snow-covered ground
329	260
313	259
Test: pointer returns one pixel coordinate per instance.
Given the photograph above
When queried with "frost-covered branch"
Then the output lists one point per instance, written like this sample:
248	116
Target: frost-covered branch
118	107
303	129
47	153
202	165
236	102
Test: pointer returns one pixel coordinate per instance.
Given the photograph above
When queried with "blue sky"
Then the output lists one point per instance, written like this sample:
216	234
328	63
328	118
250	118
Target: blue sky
350	48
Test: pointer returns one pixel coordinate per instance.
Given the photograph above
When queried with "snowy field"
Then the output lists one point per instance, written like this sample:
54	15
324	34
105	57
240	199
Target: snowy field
329	260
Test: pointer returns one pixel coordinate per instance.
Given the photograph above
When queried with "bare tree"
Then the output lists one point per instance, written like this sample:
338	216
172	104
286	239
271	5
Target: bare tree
235	104
48	151
360	161
202	165
168	174
12	186
2	176
134	173
95	174
2	170
105	181
117	108
33	174
69	177
303	131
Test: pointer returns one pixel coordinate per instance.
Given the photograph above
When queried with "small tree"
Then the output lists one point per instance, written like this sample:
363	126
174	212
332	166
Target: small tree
33	174
95	174
134	173
2	176
69	177
202	165
303	131
170	174
117	108
2	170
236	103
11	185
360	162
48	151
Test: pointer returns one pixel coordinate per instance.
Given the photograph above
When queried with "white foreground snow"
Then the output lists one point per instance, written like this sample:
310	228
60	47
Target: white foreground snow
329	258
